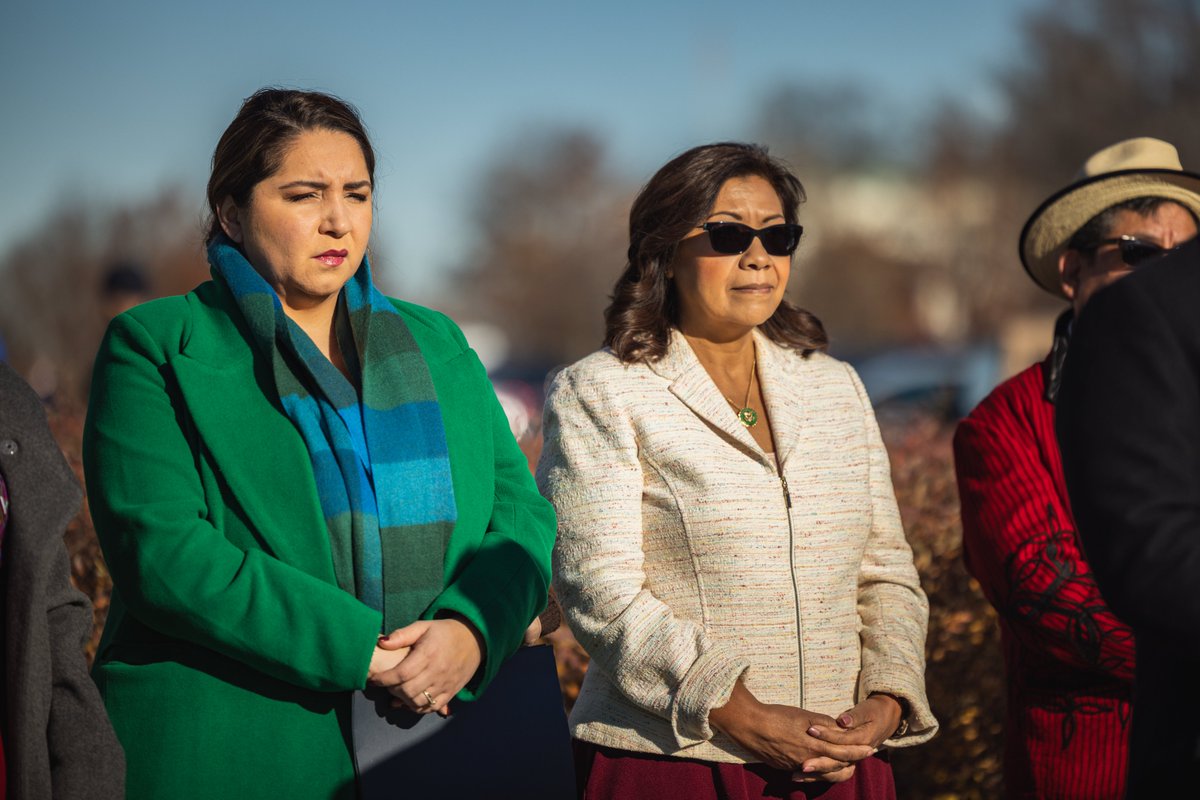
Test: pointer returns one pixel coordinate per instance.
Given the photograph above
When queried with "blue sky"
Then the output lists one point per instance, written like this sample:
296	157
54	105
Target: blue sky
106	102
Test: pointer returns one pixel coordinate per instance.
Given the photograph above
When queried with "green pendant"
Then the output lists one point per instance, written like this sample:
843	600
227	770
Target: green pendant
748	417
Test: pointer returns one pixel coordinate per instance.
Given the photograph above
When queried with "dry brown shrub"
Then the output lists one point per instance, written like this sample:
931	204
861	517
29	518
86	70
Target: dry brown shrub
964	673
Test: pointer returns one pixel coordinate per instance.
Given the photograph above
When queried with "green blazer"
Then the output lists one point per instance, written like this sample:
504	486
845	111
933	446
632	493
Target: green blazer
230	651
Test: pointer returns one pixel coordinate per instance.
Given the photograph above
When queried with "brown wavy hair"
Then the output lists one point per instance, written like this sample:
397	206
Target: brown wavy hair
679	197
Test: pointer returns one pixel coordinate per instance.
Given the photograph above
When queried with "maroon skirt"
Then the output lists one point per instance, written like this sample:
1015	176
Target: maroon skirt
604	773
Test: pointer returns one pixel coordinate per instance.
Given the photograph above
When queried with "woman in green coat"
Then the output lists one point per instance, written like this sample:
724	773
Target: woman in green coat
283	464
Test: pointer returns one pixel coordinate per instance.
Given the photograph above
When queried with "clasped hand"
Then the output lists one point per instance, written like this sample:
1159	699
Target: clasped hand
425	664
869	723
814	745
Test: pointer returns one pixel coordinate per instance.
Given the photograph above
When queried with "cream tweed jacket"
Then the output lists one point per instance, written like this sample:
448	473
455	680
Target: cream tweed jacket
686	559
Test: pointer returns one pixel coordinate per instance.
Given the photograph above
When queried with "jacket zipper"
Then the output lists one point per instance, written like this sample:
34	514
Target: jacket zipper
787	500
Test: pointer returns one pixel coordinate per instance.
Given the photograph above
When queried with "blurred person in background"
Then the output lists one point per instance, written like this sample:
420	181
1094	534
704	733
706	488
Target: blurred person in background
730	551
55	739
1069	659
124	286
284	464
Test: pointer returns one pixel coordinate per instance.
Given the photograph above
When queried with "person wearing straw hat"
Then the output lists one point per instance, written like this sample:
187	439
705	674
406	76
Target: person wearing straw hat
1070	660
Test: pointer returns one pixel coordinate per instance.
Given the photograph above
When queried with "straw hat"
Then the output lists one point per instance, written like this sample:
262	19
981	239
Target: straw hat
1133	168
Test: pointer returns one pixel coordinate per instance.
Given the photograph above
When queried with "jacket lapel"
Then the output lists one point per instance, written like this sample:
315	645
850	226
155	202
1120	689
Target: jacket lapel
256	449
694	387
784	393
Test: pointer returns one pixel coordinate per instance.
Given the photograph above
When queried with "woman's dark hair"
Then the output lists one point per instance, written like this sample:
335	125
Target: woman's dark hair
252	147
677	199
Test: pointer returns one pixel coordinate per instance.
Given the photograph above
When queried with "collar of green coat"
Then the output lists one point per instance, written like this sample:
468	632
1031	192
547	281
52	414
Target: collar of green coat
252	444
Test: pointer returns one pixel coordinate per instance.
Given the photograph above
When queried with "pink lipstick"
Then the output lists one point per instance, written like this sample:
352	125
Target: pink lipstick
333	258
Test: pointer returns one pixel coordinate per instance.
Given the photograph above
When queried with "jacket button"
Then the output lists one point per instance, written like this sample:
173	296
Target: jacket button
8	447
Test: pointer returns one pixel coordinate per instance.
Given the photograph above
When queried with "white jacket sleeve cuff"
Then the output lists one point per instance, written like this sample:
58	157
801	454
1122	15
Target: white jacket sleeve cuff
902	682
707	685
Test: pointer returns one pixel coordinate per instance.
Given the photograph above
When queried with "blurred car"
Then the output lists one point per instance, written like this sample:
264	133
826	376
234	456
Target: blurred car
945	383
521	389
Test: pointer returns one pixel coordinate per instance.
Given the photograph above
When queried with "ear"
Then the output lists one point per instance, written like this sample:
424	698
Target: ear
1070	265
229	215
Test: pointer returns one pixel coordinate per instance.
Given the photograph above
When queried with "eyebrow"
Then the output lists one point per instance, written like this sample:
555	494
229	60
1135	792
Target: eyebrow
323	185
738	216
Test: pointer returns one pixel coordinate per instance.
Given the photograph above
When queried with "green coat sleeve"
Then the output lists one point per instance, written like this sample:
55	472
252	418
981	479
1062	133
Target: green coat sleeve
173	570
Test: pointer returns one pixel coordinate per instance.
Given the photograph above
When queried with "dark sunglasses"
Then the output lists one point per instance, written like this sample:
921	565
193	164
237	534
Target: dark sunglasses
1135	252
733	238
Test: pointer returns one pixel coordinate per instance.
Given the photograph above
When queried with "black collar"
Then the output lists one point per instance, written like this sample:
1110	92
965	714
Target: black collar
1053	364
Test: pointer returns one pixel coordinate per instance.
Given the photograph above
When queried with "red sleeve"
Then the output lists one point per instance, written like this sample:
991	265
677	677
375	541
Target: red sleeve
1019	542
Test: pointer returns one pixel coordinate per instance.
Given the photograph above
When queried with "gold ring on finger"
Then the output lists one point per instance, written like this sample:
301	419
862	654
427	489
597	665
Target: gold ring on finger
428	696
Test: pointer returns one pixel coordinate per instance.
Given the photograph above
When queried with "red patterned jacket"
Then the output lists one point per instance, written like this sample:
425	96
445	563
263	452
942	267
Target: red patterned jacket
1069	660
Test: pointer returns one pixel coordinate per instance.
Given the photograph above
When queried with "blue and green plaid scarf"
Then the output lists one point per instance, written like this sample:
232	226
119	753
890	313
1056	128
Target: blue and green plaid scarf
380	461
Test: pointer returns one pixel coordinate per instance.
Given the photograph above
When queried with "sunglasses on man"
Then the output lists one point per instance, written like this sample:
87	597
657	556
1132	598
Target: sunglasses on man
734	238
1135	252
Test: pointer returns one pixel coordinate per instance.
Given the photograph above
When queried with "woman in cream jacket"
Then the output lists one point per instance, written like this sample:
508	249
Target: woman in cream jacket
730	551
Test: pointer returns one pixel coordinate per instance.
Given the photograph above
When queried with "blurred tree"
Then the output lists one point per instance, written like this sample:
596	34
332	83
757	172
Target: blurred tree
1094	72
1091	72
52	305
551	219
871	262
823	129
907	249
854	289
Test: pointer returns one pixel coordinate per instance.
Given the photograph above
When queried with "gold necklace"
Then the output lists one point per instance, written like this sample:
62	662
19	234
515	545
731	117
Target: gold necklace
745	414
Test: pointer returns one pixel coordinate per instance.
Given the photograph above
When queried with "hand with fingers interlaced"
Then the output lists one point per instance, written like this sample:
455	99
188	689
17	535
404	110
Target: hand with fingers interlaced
869	723
781	737
425	664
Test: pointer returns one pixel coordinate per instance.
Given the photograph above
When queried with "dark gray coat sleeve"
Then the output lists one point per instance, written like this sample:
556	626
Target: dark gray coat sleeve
59	744
86	761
